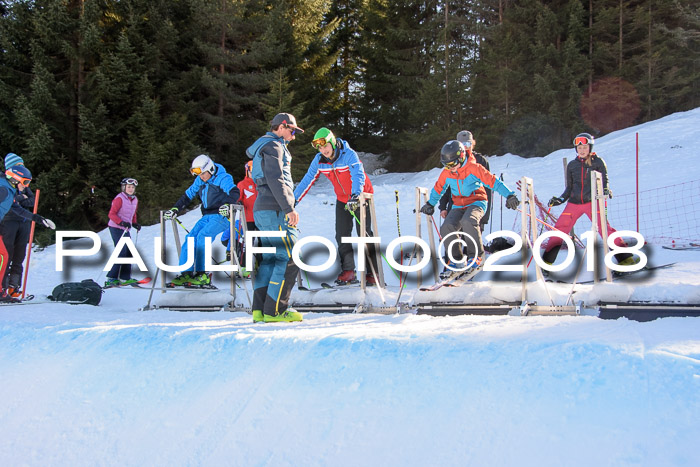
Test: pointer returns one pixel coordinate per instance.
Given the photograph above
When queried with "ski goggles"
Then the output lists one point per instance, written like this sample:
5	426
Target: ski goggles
581	140
20	180
451	165
319	143
195	171
130	181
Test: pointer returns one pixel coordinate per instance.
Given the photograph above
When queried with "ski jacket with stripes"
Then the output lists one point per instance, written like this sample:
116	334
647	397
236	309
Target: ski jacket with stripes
446	199
578	179
214	193
467	185
272	173
346	173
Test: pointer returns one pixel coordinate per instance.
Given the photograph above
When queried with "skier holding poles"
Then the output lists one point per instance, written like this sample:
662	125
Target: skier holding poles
16	177
467	181
341	165
216	190
467	139
578	194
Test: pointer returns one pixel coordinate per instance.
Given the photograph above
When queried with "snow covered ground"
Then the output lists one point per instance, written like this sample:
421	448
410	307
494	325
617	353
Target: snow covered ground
112	385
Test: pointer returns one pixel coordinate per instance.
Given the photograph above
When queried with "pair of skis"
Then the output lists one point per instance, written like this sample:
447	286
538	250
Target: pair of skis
459	278
143	284
620	275
327	286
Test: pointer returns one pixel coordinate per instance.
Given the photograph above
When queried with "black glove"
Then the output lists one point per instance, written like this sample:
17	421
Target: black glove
512	202
136	226
428	209
555	201
353	203
125	224
48	223
608	192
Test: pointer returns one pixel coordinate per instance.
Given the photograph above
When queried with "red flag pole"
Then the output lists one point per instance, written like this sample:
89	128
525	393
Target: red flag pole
29	246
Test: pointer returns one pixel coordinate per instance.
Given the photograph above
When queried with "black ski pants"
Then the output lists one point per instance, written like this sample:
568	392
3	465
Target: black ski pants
15	234
344	221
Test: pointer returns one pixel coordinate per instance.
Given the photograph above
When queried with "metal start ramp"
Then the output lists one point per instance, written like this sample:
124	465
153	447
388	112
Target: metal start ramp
647	311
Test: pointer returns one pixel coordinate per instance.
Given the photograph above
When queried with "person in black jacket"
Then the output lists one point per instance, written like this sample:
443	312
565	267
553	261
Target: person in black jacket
15	229
578	194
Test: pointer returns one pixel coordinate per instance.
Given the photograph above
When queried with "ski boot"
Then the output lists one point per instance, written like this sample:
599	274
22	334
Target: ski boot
180	280
370	280
112	282
452	270
14	291
286	316
6	298
346	277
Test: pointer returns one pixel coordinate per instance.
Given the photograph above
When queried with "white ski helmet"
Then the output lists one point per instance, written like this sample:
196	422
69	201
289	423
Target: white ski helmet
202	163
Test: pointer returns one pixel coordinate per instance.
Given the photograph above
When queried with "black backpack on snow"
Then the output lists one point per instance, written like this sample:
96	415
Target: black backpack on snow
84	292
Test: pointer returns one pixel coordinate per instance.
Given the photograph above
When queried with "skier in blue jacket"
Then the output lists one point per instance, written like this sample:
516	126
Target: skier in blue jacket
217	190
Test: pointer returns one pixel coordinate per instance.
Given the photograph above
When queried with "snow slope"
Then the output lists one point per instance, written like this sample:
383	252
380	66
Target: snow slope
112	385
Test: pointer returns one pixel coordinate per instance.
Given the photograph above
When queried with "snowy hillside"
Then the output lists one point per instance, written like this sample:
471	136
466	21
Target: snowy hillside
113	385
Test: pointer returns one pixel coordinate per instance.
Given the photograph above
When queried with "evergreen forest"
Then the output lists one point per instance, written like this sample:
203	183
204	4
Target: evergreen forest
92	91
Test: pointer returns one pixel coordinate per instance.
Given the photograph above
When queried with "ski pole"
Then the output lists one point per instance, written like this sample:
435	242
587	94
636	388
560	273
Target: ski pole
436	227
381	254
410	260
398	228
29	246
501	178
212	258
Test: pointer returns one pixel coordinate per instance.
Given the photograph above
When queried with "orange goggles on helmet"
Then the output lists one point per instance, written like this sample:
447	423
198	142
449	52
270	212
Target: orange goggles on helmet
319	143
195	171
581	140
20	180
451	165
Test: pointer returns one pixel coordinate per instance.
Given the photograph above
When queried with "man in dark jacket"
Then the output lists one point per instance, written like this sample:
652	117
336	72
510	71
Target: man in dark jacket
274	211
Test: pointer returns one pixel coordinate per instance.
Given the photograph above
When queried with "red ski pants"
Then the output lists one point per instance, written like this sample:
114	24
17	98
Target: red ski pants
4	258
568	218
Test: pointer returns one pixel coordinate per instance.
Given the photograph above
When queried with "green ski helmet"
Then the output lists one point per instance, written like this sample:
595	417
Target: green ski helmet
322	137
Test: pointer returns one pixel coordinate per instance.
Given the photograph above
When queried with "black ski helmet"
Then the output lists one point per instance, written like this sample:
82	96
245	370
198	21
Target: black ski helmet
584	138
453	152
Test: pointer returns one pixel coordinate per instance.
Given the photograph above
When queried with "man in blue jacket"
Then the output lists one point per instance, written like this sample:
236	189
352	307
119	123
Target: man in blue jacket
274	211
217	191
341	165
